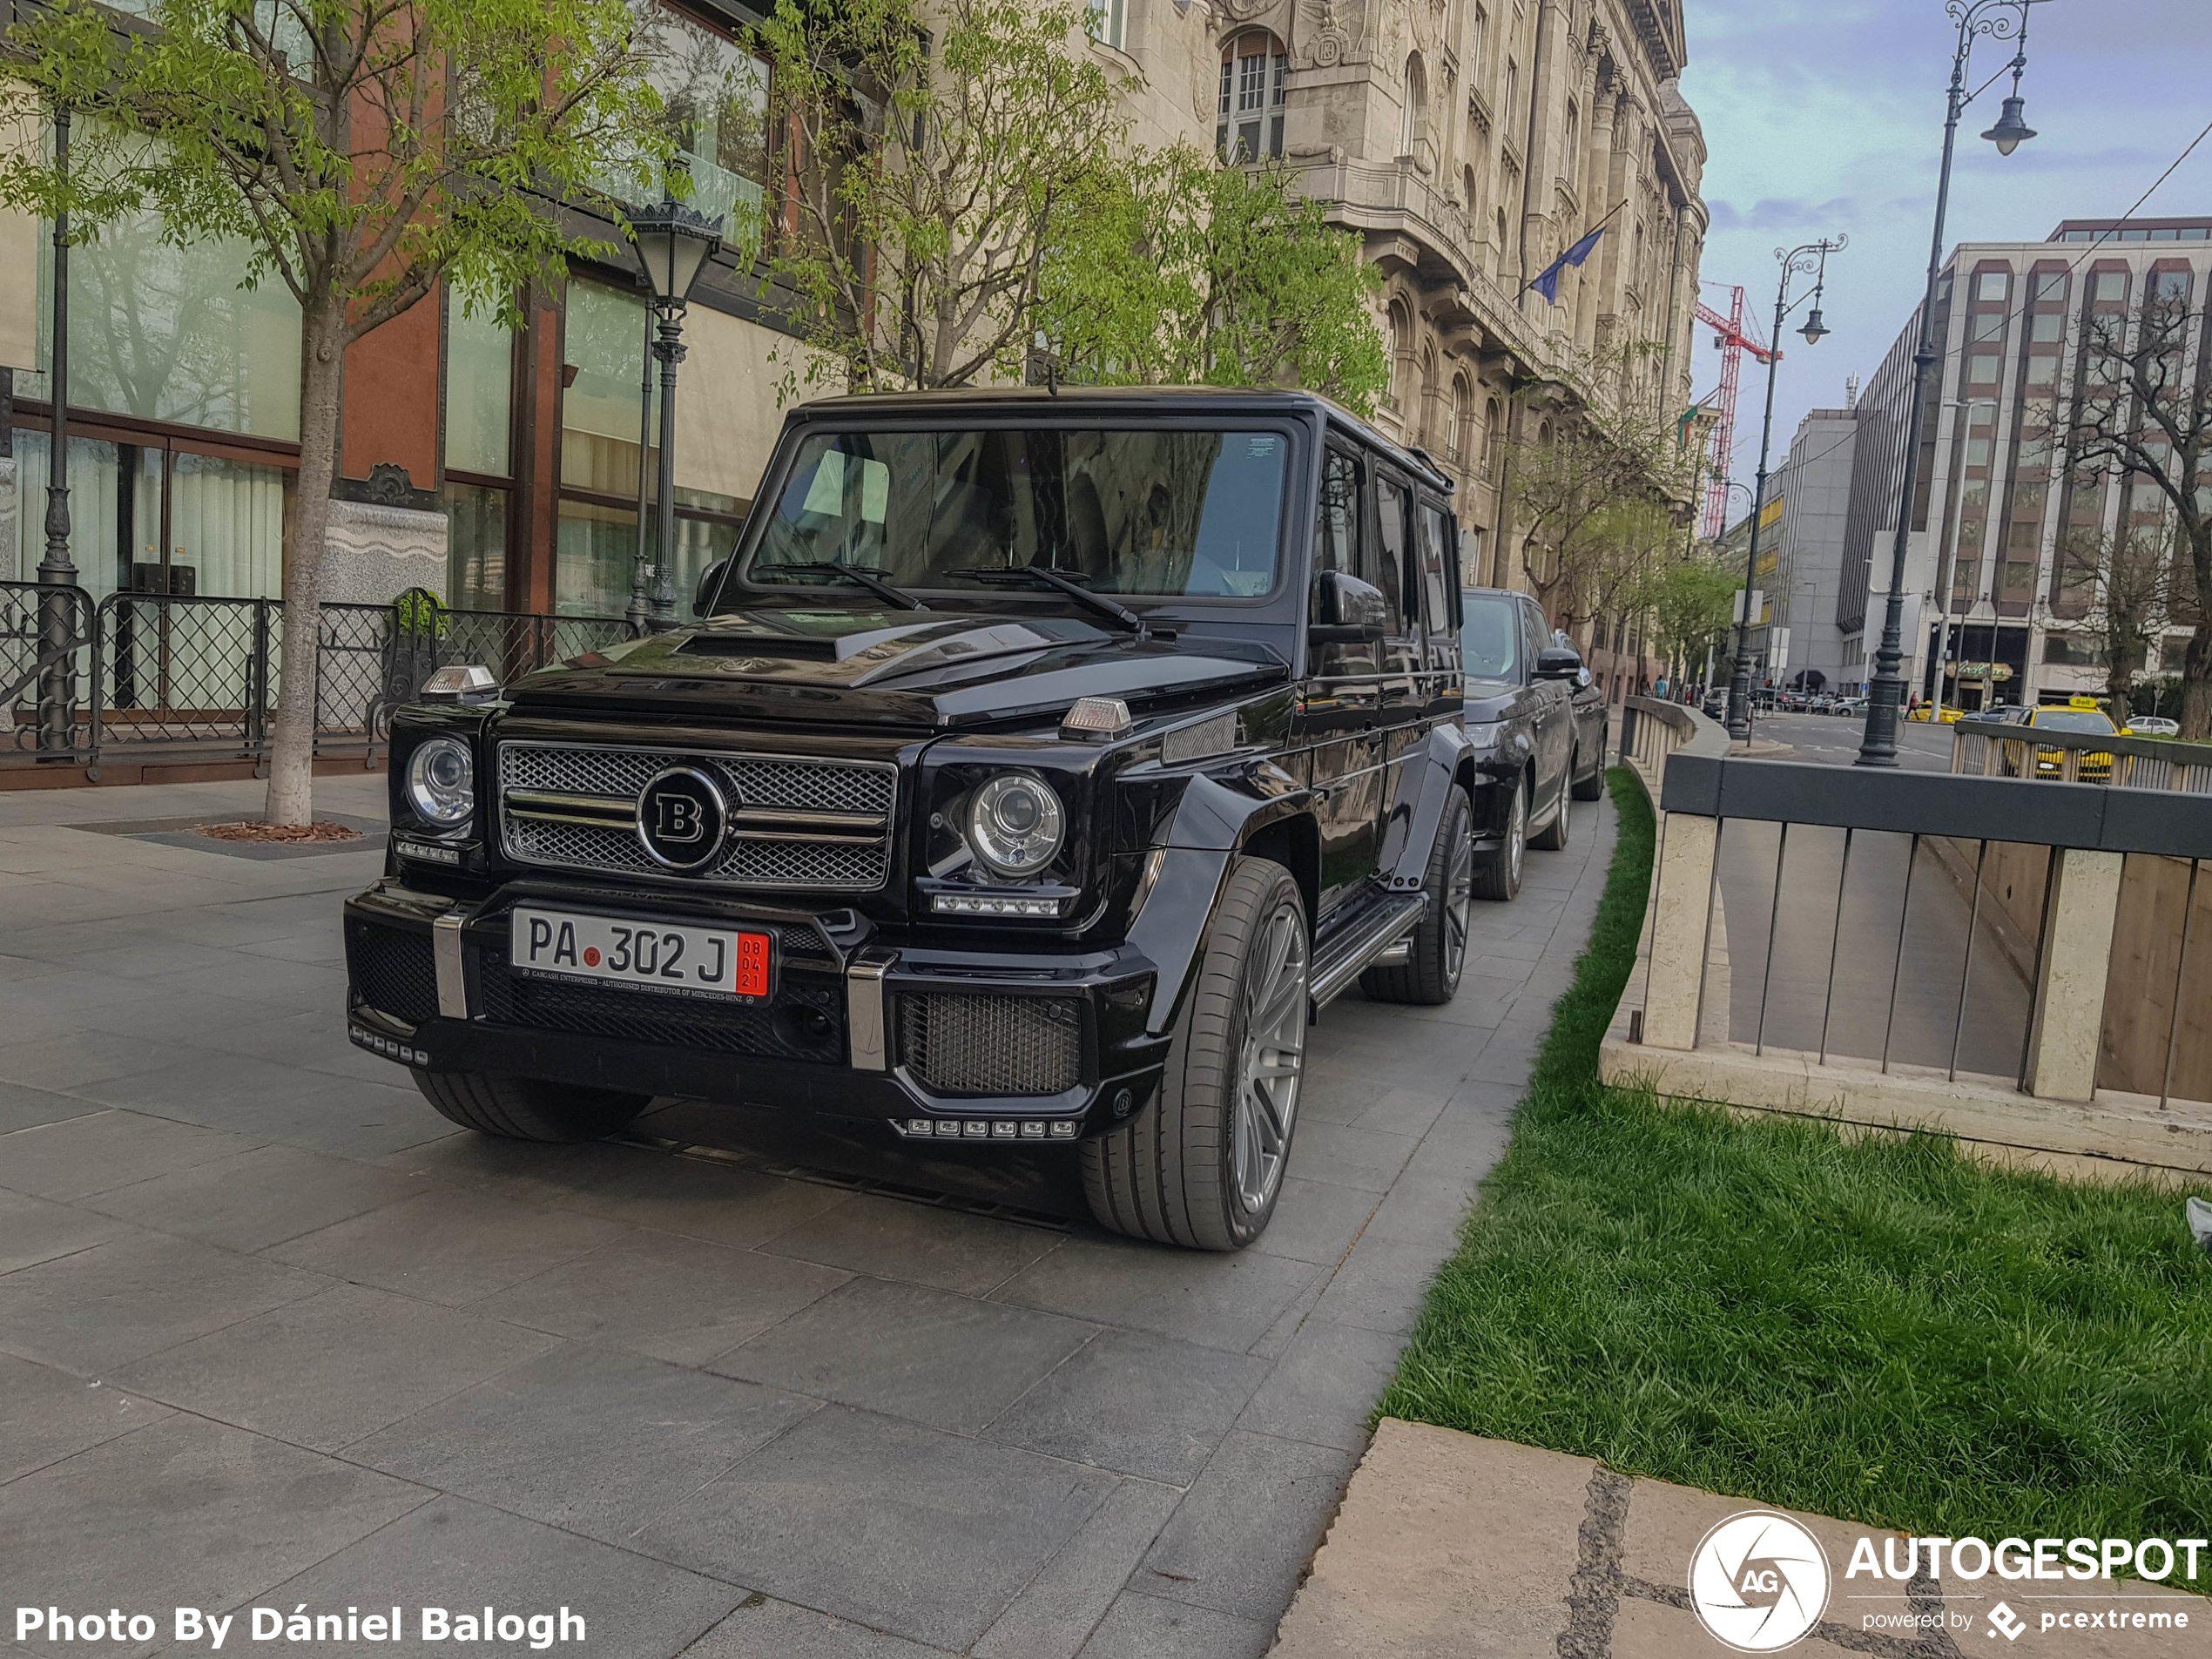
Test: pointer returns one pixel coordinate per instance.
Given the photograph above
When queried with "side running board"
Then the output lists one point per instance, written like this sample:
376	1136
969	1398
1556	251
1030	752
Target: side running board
1339	961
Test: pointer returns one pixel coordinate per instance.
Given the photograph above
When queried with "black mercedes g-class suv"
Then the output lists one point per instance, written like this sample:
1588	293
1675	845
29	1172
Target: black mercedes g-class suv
1038	765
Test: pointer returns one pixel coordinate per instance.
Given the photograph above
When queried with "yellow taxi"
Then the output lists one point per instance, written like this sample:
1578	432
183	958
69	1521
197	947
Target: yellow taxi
2077	714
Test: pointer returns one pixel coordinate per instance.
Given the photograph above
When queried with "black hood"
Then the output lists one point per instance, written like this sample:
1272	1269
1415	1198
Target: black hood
928	668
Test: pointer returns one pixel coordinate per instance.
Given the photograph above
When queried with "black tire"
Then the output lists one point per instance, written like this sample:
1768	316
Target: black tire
1171	1173
1555	835
1430	974
1592	788
1497	872
528	1109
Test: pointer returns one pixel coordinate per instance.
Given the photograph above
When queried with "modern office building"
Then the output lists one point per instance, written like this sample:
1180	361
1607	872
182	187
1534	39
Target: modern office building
1814	483
1993	567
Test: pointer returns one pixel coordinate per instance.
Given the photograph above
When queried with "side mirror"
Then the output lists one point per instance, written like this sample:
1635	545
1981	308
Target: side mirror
1558	662
1347	611
710	584
1583	678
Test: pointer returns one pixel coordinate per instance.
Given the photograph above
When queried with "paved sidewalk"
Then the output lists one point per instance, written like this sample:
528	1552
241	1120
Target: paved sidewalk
271	1332
1448	1544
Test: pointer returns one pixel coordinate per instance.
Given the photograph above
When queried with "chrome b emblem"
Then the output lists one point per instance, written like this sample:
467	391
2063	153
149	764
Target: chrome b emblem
682	820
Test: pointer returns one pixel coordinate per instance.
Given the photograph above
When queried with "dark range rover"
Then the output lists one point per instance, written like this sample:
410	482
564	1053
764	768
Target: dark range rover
1038	765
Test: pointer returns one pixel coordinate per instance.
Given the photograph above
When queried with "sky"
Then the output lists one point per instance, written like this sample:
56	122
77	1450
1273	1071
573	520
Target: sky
1826	116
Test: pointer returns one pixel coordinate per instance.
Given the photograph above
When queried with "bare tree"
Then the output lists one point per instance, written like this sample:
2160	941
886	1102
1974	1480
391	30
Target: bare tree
2141	417
2126	581
1606	450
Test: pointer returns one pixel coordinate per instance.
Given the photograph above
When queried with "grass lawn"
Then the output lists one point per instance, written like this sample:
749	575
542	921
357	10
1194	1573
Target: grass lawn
1876	1329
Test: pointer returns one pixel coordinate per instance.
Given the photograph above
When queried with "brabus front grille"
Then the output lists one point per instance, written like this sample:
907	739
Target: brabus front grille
823	824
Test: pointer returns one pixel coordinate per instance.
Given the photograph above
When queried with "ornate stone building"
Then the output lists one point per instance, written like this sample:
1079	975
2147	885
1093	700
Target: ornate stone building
1469	141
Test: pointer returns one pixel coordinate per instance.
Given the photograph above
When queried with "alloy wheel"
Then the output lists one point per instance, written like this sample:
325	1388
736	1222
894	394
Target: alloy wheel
1517	831
1459	904
1273	1061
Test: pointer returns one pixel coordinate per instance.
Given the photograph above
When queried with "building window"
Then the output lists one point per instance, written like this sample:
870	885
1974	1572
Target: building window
1493	420
479	408
1992	285
1110	23
1574	140
1401	355
1412	110
1249	108
2050	284
2110	286
2170	285
1461	443
1512	93
1478	44
1990	325
714	97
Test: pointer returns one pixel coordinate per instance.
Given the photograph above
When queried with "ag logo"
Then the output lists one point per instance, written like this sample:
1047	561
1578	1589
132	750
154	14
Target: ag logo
1758	1581
681	819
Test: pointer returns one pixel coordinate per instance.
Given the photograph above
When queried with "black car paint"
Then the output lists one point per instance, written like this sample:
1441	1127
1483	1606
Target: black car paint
1551	729
974	684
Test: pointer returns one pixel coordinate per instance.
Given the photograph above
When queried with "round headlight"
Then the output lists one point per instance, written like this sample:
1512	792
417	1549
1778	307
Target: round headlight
440	782
1014	824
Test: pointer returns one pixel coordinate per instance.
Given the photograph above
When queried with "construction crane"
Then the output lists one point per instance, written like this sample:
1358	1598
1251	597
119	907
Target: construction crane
1733	342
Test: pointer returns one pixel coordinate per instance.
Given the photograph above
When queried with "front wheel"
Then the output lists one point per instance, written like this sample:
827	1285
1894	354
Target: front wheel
1497	872
1592	788
1202	1166
1555	835
528	1109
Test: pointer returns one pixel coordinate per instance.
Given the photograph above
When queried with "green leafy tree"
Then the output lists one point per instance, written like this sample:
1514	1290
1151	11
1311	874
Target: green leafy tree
1183	272
1692	604
941	162
362	151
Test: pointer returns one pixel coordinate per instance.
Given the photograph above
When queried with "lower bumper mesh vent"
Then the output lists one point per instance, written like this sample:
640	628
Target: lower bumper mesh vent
392	971
960	1044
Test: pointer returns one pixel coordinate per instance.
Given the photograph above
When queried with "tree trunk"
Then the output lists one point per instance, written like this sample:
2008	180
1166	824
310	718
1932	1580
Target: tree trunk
291	743
2196	661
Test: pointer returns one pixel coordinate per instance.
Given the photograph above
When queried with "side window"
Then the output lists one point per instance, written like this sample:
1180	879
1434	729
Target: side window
1336	538
1534	636
1392	505
1436	567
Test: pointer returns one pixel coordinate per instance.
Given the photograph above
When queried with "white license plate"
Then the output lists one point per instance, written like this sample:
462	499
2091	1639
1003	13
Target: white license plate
671	957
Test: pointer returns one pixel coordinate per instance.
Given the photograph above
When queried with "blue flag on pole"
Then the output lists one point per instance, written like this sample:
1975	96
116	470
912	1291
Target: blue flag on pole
1548	282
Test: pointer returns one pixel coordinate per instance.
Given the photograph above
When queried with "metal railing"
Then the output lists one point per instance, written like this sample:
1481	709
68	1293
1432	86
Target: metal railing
139	672
2042	940
2008	749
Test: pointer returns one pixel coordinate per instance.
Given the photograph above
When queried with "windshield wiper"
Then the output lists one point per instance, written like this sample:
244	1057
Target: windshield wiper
1113	610
859	576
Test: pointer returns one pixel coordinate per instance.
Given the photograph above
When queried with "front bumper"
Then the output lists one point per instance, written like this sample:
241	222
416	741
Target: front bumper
988	1044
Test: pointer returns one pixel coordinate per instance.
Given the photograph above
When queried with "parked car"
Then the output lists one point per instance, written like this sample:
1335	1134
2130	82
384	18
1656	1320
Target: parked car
1715	707
2151	726
1853	708
2083	715
1037	763
1538	727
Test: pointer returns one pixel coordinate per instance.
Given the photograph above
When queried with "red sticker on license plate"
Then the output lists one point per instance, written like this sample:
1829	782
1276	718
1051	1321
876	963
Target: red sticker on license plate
753	965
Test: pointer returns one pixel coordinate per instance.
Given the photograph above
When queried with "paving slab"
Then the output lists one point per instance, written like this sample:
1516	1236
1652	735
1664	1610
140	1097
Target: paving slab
681	1299
928	1356
591	1440
900	1527
48	1415
460	1557
448	1246
327	1369
1449	1544
186	1512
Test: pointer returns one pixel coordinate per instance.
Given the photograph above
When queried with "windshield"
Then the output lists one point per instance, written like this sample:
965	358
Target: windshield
2075	720
1490	638
1162	511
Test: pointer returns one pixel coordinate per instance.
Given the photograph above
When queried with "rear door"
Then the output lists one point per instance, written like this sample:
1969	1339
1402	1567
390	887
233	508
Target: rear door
1339	724
1555	715
1400	695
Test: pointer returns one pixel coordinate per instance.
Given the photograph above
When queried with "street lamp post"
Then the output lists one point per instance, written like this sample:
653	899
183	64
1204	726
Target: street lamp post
1810	258
57	673
674	244
1999	20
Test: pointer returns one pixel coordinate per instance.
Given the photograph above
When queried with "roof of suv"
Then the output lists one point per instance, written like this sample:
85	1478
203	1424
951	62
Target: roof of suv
1126	400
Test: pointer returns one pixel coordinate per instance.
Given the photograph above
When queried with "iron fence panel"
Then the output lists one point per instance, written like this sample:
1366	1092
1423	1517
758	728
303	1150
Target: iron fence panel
46	667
